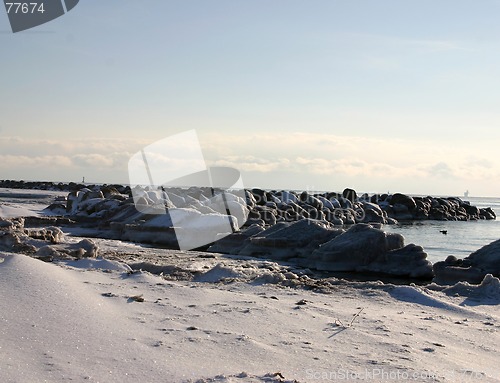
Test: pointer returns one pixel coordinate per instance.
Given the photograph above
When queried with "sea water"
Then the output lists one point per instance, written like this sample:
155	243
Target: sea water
462	238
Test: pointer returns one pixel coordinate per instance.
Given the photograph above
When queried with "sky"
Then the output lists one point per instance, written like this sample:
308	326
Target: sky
310	95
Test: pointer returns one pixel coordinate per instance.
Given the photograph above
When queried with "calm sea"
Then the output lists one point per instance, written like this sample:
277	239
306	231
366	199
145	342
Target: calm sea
462	239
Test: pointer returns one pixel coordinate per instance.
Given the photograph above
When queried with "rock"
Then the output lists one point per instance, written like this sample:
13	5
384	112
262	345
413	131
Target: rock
109	191
11	224
136	232
422	209
397	261
335	202
234	243
488	288
285	241
311	201
176	199
487	213
250	199
190	228
287	197
373	213
86	248
260	196
403	199
334	217
471	269
56	209
16	241
327	204
449	275
313	213
45	243
226	204
345	203
51	234
487	258
472	211
93	194
350	194
401	213
265	213
72	202
295	211
364	248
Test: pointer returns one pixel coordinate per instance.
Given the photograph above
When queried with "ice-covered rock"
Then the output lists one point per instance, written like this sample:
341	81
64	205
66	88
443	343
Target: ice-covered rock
218	273
47	243
471	269
487	258
51	234
234	243
489	288
286	241
86	248
364	248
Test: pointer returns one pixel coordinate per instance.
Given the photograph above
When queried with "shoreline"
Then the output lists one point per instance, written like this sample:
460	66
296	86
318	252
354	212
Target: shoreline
310	243
106	310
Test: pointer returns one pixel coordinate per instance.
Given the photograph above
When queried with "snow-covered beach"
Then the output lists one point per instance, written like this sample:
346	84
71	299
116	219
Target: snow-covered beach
137	312
83	323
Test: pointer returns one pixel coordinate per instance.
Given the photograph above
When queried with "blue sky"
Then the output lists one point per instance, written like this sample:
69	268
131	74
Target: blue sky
317	94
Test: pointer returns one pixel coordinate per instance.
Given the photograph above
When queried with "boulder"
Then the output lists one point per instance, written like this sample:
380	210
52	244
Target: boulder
471	269
234	243
350	194
287	197
403	199
310	200
373	213
364	248
265	213
86	248
487	213
285	241
260	196
488	288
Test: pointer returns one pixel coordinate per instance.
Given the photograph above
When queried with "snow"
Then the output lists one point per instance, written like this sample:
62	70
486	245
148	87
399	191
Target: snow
209	317
34	202
85	321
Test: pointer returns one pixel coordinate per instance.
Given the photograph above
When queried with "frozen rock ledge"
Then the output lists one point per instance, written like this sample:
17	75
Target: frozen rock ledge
316	245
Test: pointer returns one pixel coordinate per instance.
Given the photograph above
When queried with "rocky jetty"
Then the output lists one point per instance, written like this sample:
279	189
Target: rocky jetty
270	207
58	186
337	232
301	228
472	269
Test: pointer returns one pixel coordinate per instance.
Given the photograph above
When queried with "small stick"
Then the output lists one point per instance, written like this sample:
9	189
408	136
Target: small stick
355	316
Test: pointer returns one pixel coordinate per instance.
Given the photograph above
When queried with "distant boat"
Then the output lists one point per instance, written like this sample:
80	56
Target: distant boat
466	193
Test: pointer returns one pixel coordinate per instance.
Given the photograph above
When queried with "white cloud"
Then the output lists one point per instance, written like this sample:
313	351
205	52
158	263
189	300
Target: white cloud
93	160
274	159
327	160
35	162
